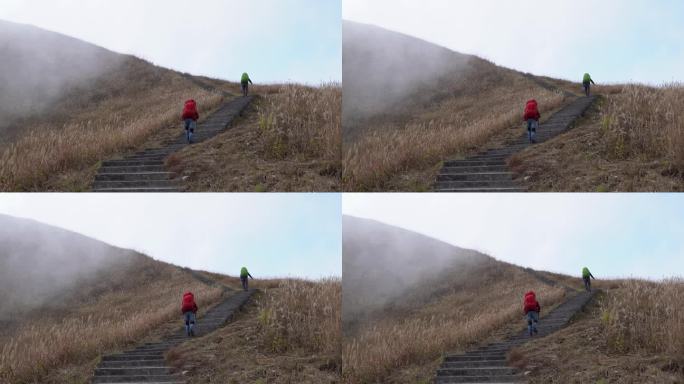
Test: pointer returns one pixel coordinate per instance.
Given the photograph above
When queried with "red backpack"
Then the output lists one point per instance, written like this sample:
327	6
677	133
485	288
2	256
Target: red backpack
188	303
190	110
530	303
531	110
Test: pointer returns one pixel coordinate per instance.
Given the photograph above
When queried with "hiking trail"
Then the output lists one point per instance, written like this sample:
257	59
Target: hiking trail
145	171
487	364
488	171
146	363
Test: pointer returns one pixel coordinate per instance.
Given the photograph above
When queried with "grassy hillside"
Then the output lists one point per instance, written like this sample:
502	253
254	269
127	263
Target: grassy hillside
290	140
632	334
70	104
291	333
409	104
632	141
68	298
408	299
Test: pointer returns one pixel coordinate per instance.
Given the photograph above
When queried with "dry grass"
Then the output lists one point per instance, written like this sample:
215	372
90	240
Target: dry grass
115	113
647	121
301	120
646	317
451	128
42	346
406	345
304	314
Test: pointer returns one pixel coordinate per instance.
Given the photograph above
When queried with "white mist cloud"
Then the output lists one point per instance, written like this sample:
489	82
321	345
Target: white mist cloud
272	234
618	235
273	40
616	41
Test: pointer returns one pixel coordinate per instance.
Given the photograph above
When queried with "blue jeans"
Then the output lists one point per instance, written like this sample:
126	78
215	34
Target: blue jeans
189	323
190	126
532	126
532	320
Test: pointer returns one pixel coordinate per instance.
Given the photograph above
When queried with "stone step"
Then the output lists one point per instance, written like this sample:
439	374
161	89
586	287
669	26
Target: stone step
481	190
100	184
128	163
125	357
133	363
132	371
476	371
478	363
138	379
485	162
133	176
459	358
474	169
474	176
477	184
132	169
137	190
489	158
478	379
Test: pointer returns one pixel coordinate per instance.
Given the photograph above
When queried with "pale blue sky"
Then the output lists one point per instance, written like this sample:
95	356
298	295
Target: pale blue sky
273	40
614	40
274	235
615	235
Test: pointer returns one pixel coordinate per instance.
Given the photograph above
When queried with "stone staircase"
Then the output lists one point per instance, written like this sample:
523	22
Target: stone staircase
487	364
489	172
146	363
145	171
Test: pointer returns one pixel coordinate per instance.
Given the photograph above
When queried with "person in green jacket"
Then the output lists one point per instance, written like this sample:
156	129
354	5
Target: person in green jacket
245	81
587	82
587	276
244	274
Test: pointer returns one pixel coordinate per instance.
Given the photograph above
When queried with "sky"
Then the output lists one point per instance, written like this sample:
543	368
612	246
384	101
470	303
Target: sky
272	40
273	235
614	40
615	235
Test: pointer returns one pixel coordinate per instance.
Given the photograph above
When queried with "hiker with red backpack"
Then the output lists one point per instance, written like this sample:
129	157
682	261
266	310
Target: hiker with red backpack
189	310
532	116
532	310
190	117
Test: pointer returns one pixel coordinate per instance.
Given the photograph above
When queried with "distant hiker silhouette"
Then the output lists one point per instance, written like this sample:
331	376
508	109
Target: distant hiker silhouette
532	310
587	276
245	81
532	116
190	117
244	274
587	82
189	310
